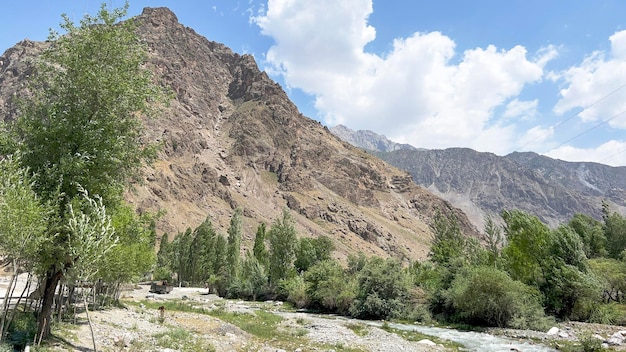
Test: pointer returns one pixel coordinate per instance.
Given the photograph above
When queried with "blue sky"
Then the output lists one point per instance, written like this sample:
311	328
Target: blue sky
495	76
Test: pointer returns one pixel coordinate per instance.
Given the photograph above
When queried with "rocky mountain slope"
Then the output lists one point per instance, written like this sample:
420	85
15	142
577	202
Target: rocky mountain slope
232	139
485	184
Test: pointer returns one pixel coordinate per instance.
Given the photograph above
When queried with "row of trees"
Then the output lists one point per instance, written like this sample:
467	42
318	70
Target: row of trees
523	274
204	257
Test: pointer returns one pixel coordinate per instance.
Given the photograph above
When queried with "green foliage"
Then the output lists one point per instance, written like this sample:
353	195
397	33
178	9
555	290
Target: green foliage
448	241
80	129
294	289
566	283
591	234
614	232
234	245
81	125
486	296
254	275
329	287
313	250
612	276
383	288
134	254
23	218
283	243
528	240
259	249
495	241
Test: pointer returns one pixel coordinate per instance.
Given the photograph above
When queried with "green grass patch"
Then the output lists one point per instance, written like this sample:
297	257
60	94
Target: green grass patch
182	340
357	328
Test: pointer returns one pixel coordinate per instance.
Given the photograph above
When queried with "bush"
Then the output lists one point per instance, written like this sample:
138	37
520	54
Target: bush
329	287
489	297
383	287
295	291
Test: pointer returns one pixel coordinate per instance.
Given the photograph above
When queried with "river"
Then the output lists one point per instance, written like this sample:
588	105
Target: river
473	341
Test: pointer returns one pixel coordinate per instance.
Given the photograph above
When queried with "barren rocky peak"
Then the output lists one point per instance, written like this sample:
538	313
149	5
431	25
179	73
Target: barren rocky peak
232	139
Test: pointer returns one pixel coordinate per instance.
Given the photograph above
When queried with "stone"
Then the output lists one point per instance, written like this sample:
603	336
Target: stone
426	342
553	331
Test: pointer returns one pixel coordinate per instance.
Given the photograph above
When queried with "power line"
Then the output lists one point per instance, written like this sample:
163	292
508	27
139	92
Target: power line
574	115
611	156
592	128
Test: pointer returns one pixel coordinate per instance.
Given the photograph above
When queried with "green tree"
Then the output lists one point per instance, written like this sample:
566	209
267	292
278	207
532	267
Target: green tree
448	241
311	251
23	224
614	231
591	233
495	240
329	287
383	290
259	249
203	251
80	125
528	241
234	245
283	242
612	274
486	296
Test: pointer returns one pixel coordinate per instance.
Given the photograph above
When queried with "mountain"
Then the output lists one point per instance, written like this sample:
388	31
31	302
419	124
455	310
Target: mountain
368	140
232	139
485	184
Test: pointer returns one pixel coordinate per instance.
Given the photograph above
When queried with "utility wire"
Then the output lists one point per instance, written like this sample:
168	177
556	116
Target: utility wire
574	115
592	128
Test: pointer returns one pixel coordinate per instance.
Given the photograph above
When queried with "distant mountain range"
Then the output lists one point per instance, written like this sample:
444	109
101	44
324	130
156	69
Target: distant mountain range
484	184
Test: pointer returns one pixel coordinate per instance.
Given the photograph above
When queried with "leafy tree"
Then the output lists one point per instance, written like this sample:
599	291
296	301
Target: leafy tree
614	231
495	240
234	245
591	233
448	241
259	249
134	256
528	241
612	274
283	242
313	250
383	288
254	275
203	251
486	296
80	125
329	287
23	223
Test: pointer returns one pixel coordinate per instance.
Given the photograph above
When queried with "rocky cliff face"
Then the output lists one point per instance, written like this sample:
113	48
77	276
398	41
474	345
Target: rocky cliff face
484	184
232	138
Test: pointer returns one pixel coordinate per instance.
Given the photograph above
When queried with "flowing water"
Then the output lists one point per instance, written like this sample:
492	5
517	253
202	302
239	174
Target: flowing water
473	341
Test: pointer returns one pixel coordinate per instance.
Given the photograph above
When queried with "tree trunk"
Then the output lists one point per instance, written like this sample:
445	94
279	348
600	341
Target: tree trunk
53	276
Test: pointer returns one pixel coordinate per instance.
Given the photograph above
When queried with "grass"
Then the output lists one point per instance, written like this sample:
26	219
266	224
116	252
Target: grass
181	340
358	328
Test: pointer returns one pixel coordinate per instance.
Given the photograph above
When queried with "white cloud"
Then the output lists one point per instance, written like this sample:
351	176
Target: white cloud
610	153
597	85
419	92
521	109
535	138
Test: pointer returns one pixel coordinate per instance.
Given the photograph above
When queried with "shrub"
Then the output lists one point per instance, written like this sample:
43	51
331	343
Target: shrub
489	297
383	287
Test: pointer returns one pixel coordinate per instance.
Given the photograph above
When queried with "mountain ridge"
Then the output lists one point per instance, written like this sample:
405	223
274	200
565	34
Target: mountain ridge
483	184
